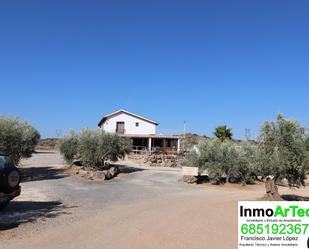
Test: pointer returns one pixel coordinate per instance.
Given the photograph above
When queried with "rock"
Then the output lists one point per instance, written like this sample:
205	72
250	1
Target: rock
107	174
173	164
89	175
190	179
82	172
99	175
76	168
167	164
260	178
164	160
112	171
117	170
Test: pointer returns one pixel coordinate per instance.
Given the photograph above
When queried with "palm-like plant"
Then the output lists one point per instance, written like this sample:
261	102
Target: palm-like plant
223	133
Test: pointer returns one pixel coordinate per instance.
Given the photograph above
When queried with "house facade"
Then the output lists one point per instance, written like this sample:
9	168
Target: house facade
141	130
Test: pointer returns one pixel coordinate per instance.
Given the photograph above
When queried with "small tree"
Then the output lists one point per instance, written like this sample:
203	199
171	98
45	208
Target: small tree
223	159
17	139
98	147
223	133
68	146
91	150
94	147
244	168
282	153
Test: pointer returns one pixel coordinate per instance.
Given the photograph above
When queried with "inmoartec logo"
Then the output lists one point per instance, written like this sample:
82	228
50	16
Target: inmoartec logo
293	210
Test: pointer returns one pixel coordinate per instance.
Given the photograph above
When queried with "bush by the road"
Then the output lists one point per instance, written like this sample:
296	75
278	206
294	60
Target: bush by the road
223	160
94	147
282	152
17	139
68	146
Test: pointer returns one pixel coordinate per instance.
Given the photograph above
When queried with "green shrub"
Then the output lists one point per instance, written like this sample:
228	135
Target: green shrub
68	146
97	147
245	164
224	160
17	139
94	147
283	151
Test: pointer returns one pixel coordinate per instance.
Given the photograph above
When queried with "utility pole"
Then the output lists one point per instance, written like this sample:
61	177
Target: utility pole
184	135
248	134
58	133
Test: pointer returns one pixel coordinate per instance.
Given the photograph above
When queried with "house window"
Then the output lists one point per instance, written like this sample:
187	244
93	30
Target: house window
137	124
120	127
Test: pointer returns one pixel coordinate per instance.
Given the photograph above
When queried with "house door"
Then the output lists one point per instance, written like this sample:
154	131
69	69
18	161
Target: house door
120	127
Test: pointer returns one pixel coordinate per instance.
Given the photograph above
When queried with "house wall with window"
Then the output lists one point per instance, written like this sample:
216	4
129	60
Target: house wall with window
129	124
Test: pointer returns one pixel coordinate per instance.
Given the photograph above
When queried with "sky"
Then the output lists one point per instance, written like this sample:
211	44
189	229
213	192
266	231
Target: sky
64	64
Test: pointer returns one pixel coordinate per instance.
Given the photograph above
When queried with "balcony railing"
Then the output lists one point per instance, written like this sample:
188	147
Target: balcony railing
144	149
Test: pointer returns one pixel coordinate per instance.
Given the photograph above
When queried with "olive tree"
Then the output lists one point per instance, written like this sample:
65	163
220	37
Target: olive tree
17	139
282	153
245	167
97	147
68	146
94	147
223	160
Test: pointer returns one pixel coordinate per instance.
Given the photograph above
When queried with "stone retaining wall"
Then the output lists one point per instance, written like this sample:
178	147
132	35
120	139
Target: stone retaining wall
155	159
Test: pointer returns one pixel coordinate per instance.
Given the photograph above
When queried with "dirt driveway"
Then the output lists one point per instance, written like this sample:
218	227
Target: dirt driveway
141	208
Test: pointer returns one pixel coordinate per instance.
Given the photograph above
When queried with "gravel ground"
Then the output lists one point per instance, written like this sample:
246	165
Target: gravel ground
144	207
50	196
134	183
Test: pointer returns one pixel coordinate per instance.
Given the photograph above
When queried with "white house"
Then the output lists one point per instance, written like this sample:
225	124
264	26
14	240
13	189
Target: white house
141	130
124	122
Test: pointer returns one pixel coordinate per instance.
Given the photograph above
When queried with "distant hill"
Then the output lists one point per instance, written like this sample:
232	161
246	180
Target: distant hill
47	144
192	139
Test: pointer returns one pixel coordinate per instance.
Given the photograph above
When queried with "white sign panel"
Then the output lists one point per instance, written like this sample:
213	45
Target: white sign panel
273	224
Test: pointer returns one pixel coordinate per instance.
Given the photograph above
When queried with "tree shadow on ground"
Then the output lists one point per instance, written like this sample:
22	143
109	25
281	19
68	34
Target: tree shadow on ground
294	198
129	169
19	212
44	151
41	173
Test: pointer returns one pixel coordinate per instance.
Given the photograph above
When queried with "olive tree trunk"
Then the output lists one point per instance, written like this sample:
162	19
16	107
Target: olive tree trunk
272	190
